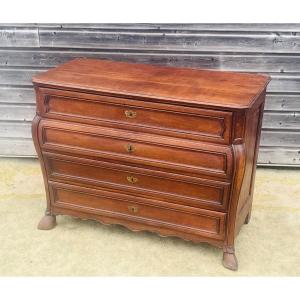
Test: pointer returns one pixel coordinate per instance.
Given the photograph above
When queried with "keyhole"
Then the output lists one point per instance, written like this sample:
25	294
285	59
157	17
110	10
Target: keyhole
133	209
129	148
132	179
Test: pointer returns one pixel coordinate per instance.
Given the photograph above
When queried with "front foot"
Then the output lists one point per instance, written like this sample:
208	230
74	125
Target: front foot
47	222
229	259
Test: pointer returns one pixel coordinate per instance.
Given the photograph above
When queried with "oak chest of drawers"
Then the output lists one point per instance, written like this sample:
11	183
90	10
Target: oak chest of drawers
169	150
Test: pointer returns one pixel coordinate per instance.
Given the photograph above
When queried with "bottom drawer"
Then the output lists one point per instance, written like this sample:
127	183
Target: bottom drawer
194	221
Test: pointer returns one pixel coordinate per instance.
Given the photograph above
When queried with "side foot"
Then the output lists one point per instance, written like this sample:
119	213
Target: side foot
47	222
248	217
229	259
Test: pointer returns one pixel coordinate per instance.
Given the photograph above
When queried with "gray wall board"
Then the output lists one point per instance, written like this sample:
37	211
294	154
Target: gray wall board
18	95
15	130
283	102
223	42
280	138
16	147
18	37
230	62
276	156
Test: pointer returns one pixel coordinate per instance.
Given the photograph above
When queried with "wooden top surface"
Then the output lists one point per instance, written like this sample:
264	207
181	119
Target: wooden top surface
205	87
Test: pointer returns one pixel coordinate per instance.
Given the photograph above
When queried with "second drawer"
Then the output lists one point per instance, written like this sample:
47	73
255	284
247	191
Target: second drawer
138	148
157	185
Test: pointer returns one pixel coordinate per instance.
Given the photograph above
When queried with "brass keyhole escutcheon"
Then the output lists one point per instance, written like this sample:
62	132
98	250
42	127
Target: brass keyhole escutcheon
130	148
133	209
132	179
130	114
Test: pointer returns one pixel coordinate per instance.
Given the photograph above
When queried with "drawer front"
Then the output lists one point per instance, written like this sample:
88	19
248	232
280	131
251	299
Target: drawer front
193	123
200	193
136	147
196	221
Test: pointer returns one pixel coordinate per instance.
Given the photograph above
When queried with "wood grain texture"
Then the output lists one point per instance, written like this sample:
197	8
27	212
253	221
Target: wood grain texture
268	48
172	188
157	151
98	163
23	77
197	87
177	121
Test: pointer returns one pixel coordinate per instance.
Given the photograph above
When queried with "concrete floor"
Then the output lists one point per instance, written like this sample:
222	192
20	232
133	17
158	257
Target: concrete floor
269	245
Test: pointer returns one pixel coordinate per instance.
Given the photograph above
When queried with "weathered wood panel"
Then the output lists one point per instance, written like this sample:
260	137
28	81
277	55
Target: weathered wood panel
282	102
222	42
177	27
26	49
280	138
17	76
230	62
19	37
284	83
17	112
17	147
15	130
17	95
275	120
272	156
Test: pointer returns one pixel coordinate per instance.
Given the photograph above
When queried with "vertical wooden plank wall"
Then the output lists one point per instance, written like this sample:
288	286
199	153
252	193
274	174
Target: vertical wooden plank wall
26	49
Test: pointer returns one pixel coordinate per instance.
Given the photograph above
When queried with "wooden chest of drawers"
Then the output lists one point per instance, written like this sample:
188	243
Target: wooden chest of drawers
169	150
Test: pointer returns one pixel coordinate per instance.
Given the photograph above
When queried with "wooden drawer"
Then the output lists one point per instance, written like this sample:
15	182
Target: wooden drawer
157	185
140	148
196	221
192	123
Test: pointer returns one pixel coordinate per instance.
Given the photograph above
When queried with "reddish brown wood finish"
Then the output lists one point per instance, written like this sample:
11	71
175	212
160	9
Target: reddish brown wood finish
169	150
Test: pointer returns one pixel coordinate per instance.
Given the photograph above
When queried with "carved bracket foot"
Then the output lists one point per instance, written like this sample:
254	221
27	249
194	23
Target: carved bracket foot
229	260
47	222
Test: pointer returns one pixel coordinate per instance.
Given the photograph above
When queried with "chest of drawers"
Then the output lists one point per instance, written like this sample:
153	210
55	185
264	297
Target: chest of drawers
169	150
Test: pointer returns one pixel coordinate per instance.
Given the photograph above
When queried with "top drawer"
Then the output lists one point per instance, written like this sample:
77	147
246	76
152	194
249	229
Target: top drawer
177	121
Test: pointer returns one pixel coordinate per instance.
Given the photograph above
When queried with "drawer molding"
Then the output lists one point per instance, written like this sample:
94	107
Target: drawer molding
93	136
224	119
68	169
217	218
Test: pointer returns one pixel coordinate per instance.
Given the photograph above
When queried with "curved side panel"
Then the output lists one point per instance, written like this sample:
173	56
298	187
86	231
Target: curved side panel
239	155
34	132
